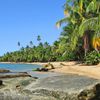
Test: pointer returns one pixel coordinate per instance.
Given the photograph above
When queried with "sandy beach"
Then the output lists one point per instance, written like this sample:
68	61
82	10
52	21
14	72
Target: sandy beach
75	68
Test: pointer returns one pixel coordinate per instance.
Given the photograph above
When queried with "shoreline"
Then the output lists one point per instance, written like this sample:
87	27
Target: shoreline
37	63
72	67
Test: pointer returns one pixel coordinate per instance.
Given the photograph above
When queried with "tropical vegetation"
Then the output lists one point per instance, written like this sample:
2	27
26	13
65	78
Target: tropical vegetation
80	37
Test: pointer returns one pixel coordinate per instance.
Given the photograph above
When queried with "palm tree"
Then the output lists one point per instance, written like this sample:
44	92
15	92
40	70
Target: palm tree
31	43
46	44
91	24
80	14
38	38
18	44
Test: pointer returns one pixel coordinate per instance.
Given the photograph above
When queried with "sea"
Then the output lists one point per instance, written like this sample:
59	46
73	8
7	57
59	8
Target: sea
26	68
19	67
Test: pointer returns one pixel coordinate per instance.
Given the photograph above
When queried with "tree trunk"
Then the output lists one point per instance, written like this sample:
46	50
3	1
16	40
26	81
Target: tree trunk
86	42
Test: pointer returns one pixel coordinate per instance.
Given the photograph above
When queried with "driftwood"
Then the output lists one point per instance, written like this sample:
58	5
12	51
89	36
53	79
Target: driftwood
45	68
49	66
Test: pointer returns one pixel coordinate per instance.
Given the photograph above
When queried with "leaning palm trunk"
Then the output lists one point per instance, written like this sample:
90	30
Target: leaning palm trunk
90	24
86	43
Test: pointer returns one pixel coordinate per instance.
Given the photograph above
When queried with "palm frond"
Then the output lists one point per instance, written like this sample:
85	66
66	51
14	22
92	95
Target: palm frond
81	5
74	38
89	24
92	6
62	21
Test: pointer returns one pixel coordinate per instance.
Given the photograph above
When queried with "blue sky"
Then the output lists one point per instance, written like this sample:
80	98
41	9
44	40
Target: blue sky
23	20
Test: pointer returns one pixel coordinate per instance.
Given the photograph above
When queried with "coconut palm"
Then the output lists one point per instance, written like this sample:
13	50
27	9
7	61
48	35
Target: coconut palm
31	43
39	38
18	44
91	24
83	15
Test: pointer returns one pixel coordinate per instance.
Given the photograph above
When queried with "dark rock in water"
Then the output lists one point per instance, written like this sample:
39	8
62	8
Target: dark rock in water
35	77
1	82
19	74
42	69
4	71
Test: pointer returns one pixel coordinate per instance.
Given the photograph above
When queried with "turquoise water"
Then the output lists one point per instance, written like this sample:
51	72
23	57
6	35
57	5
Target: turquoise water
26	68
19	67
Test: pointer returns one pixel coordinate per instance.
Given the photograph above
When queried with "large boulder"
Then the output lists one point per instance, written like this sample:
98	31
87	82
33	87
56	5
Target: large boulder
62	87
67	87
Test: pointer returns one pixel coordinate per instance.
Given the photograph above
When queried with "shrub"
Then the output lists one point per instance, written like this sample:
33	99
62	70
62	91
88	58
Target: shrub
68	56
92	58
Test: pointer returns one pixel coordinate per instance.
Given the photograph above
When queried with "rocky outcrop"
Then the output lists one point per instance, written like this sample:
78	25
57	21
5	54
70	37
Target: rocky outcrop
13	75
41	69
4	71
63	87
90	94
67	87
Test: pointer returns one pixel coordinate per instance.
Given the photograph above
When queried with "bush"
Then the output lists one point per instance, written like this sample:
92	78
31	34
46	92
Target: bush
69	56
92	58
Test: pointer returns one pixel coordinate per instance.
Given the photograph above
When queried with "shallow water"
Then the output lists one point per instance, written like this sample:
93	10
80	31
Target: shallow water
19	67
26	68
44	74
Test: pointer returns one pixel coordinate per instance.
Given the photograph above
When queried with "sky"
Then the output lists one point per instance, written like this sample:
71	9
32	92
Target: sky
24	20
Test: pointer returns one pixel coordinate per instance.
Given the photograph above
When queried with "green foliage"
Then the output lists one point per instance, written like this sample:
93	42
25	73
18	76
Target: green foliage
69	56
83	15
80	16
92	58
89	24
40	53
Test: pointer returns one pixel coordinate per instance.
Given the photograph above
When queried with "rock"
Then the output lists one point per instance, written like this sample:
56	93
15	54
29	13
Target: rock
19	74
4	71
8	95
13	88
42	69
90	94
16	96
62	87
35	77
67	87
1	82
